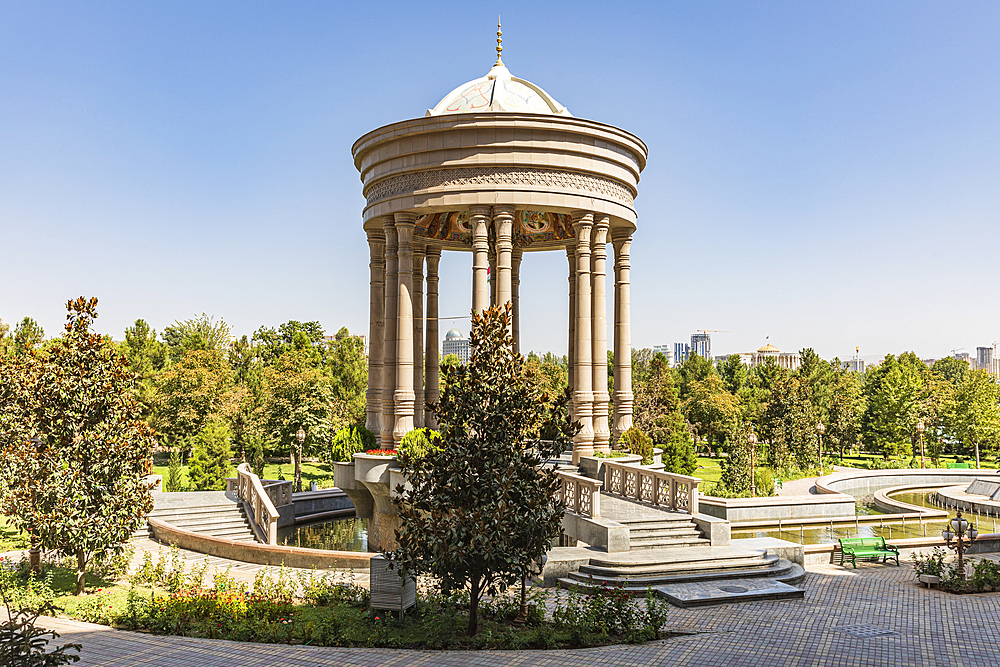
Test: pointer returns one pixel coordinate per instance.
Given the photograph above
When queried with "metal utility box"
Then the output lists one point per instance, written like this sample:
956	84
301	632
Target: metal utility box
389	591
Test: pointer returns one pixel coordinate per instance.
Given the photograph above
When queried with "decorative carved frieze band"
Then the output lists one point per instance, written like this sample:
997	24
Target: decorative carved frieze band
500	176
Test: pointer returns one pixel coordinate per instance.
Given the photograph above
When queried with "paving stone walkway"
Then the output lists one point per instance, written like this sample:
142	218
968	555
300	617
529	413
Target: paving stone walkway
875	615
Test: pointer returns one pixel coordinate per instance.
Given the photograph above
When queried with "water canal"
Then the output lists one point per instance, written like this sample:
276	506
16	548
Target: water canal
870	522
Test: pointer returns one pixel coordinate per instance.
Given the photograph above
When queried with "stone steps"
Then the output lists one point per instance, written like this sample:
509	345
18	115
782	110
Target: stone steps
226	520
692	579
664	533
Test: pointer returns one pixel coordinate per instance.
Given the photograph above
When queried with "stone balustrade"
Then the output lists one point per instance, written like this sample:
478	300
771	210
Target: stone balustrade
657	487
582	495
261	501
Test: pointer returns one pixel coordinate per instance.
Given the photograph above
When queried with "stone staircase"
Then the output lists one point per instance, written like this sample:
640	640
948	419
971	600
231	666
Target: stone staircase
673	530
692	576
215	517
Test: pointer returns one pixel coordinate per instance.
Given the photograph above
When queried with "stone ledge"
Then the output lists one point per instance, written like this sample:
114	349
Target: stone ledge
260	554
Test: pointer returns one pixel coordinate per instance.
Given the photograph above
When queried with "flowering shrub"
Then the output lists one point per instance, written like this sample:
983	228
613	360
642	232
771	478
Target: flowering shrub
381	452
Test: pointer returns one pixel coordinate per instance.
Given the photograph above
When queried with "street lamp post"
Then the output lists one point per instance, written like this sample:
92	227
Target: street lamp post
752	441
300	436
819	439
964	534
920	432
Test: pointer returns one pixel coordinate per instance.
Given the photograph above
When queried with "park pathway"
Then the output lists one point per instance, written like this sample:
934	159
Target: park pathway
875	615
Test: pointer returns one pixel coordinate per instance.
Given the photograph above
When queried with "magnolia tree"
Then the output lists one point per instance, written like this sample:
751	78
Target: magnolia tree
73	448
483	507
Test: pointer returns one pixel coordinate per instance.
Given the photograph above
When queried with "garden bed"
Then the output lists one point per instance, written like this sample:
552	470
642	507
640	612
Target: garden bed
331	609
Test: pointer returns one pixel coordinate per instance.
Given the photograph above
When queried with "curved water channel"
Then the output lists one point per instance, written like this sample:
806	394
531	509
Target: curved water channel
871	522
349	534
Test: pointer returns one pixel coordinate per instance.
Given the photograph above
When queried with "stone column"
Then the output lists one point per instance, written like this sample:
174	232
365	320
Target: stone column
503	224
418	336
598	263
583	396
479	217
515	287
389	332
621	239
492	257
432	392
571	345
376	326
404	397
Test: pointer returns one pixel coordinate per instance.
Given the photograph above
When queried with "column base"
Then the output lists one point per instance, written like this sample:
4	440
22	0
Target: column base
404	415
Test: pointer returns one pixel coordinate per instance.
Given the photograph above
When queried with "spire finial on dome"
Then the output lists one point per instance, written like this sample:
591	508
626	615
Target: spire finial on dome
499	42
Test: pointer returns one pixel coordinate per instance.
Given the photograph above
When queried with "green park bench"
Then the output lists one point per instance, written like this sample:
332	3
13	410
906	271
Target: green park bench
867	547
963	464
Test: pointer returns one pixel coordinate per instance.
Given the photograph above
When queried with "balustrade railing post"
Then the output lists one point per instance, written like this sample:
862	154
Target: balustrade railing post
693	499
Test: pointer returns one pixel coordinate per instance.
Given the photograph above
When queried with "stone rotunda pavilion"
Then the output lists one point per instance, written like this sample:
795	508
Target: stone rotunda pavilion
498	168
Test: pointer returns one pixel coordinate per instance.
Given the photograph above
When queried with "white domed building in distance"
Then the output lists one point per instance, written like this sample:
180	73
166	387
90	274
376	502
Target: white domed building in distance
455	344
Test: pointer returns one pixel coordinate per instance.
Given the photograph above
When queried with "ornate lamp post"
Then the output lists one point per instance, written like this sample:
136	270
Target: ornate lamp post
819	439
752	441
920	432
300	436
964	534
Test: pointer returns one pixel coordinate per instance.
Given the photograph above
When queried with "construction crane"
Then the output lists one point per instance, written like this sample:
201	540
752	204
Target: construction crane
710	331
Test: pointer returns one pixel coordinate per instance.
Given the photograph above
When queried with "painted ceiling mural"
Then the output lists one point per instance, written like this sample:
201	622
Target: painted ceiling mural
530	227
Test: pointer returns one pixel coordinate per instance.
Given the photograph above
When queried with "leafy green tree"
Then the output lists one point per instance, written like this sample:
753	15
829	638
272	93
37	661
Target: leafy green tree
892	405
298	395
950	369
347	369
6	342
189	392
174	471
711	409
211	457
734	373
145	353
197	333
694	369
483	508
73	451
973	415
658	412
844	413
790	419
28	334
349	441
736	478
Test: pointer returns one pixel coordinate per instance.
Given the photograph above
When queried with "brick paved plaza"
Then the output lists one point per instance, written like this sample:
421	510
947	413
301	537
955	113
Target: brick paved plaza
834	625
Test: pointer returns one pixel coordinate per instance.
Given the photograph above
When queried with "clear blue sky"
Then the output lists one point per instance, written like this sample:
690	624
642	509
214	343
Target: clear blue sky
823	173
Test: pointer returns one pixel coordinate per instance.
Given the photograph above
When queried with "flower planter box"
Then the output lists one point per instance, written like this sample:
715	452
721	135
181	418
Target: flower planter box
373	468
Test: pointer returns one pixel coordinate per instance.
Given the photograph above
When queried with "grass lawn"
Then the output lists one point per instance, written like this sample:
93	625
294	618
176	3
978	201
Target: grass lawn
321	473
710	468
10	537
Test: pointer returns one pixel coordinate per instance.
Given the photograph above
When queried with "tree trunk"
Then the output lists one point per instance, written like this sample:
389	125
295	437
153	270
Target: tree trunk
976	442
81	571
474	608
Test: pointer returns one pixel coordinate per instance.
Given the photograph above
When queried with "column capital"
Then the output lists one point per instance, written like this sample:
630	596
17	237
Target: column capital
433	251
480	209
405	217
621	235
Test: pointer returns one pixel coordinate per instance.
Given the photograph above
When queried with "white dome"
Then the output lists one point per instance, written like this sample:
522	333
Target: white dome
498	91
453	334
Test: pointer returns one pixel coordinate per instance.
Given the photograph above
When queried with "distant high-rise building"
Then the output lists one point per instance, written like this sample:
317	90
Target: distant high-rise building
681	351
455	344
701	344
857	365
665	350
984	358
